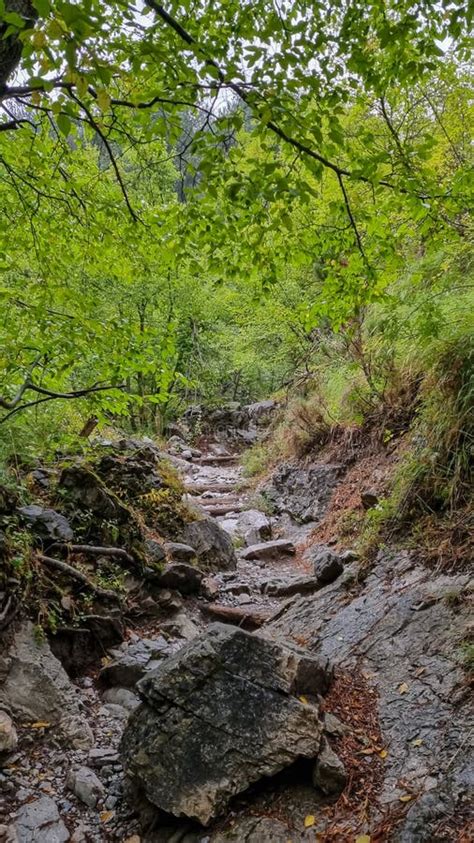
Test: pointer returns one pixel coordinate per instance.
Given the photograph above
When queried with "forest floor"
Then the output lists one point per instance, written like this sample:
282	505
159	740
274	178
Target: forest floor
399	691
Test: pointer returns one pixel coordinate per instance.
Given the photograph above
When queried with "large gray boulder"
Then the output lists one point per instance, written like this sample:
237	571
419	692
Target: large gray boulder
222	713
35	686
302	492
214	548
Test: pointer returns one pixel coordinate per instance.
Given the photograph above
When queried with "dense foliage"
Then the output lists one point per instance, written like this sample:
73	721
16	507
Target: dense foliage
218	203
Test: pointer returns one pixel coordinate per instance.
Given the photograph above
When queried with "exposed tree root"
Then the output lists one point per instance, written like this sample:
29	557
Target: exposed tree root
77	575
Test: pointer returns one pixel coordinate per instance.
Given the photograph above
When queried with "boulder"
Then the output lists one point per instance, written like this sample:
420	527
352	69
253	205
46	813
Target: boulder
8	735
33	683
181	577
155	552
39	822
79	647
328	564
133	474
255	526
302	492
286	588
251	526
84	489
86	786
369	498
329	774
261	410
122	697
180	552
220	714
48	524
214	548
269	550
131	662
77	731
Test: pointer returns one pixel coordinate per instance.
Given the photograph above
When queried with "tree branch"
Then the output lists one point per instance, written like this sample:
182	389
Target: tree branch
51	396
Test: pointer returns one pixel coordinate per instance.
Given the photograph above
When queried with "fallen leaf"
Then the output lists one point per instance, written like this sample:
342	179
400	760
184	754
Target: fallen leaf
369	751
105	816
40	724
383	753
418	742
405	798
363	838
309	821
403	688
304	700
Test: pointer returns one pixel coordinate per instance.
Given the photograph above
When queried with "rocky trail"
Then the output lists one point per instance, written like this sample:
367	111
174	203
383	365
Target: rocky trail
344	713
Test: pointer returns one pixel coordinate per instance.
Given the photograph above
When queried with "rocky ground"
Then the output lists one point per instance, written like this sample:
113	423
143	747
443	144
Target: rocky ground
343	715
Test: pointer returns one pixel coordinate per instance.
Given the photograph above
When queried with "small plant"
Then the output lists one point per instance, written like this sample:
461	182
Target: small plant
263	504
255	461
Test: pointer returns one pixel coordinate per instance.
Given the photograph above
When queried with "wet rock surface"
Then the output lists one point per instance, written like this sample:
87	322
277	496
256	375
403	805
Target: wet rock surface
219	715
402	631
302	493
398	626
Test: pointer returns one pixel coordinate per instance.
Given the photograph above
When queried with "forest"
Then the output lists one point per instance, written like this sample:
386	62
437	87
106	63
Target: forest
208	208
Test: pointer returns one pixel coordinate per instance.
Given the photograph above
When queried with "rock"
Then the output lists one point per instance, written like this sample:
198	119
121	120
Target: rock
255	526
77	731
43	477
86	786
181	577
180	552
33	683
334	727
78	647
210	588
220	714
251	526
269	550
83	488
302	493
369	498
214	548
47	523
130	664
39	822
8	735
133	474
328	565
98	757
300	585
247	617
329	774
122	697
255	830
155	551
376	627
181	626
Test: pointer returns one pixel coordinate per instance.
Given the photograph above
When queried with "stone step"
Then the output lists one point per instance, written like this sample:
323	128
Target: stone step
223	509
219	460
247	617
201	488
269	550
282	588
